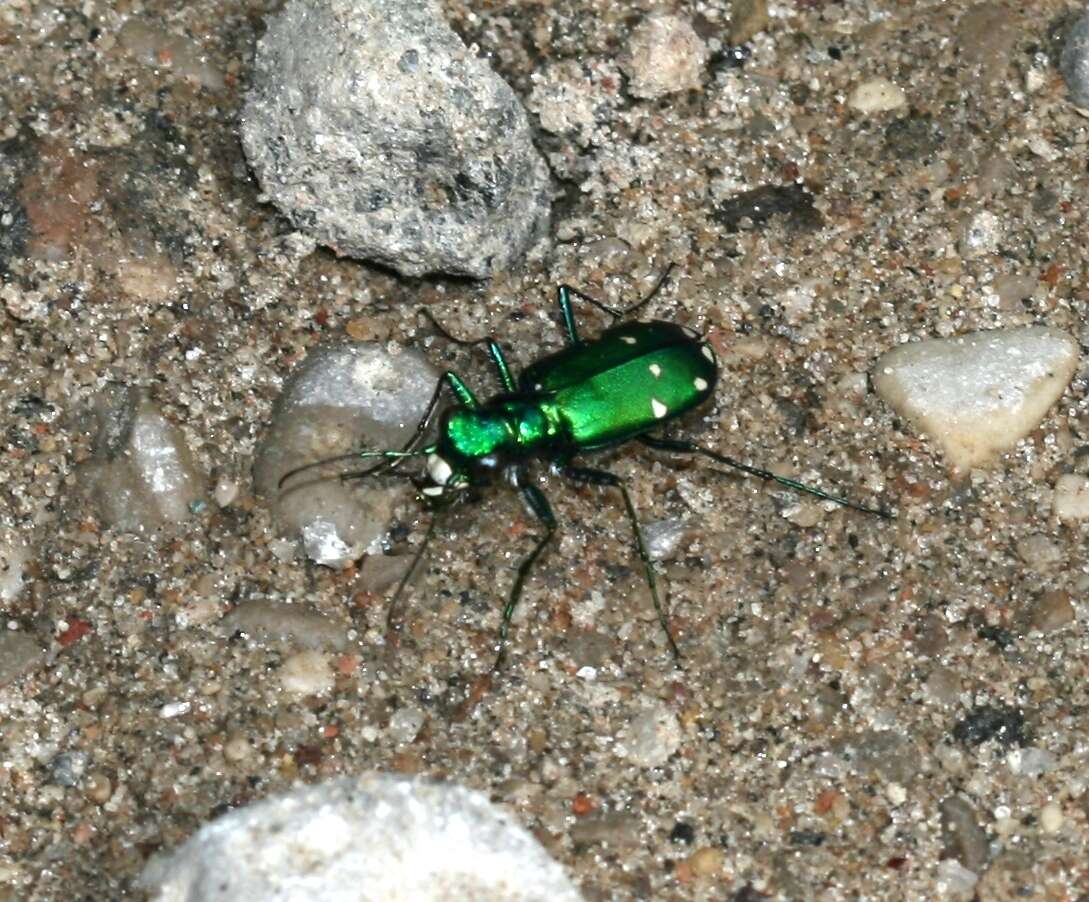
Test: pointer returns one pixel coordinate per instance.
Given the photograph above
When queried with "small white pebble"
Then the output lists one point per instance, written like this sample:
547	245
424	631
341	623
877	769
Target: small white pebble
896	793
1072	497
306	673
237	747
174	709
1051	817
878	95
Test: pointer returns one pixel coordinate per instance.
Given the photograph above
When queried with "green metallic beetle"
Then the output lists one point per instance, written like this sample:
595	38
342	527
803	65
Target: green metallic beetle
593	394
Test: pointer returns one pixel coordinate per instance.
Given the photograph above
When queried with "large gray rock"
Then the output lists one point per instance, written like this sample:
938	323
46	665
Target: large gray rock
373	128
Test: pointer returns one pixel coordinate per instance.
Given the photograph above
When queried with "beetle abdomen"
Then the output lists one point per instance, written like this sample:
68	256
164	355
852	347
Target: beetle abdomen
665	375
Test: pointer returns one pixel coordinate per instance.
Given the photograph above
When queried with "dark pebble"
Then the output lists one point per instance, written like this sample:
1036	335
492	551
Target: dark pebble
760	204
1005	724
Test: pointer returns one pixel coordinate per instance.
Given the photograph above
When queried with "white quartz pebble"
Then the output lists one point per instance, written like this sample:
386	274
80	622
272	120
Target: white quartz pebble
978	394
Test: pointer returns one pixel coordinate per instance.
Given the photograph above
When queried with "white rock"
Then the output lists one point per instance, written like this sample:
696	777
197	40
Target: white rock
376	838
978	394
13	558
955	881
980	234
651	738
878	95
1072	497
664	55
1051	817
306	673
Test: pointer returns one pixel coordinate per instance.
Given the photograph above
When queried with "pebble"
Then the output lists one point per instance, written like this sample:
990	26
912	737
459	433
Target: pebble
237	748
298	624
1031	761
307	673
13	558
19	655
374	837
664	55
878	95
155	47
97	787
980	234
963	838
406	723
651	738
1074	61
1039	551
1052	610
663	537
68	768
1051	817
343	397
142	476
747	19
706	862
978	394
412	152
1071	500
955	881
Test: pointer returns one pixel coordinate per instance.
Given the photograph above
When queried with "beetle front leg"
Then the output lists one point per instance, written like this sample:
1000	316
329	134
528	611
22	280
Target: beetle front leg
542	510
589	476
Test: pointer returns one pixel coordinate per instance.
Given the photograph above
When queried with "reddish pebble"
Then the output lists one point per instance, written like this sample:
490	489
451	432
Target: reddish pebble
581	805
77	629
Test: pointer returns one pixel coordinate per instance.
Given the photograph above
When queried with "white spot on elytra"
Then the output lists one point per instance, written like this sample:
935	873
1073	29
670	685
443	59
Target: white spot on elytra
627	339
432	490
701	384
660	410
655	370
708	353
690	332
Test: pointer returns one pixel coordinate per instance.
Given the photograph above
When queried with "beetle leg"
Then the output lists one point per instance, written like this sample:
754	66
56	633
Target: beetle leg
542	510
682	446
494	350
393	620
590	476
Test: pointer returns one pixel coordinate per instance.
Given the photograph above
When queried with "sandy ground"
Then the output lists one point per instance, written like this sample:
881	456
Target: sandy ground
861	700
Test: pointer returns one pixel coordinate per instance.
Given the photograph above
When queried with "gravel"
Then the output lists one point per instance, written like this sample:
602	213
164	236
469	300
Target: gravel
827	660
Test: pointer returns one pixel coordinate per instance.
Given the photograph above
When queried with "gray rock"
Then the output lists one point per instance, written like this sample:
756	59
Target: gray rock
299	625
1074	61
341	399
378	837
373	128
142	476
963	838
19	654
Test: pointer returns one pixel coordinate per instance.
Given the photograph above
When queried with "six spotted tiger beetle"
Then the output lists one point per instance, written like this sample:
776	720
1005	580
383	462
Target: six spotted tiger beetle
591	395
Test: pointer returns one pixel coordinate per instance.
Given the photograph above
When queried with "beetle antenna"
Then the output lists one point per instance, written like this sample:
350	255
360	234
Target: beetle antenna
679	446
389	460
616	313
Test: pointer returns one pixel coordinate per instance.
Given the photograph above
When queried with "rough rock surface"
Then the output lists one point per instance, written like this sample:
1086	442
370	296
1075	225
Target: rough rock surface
372	127
376	838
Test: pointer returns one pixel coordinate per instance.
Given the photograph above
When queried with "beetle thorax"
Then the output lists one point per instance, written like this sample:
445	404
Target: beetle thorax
475	434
